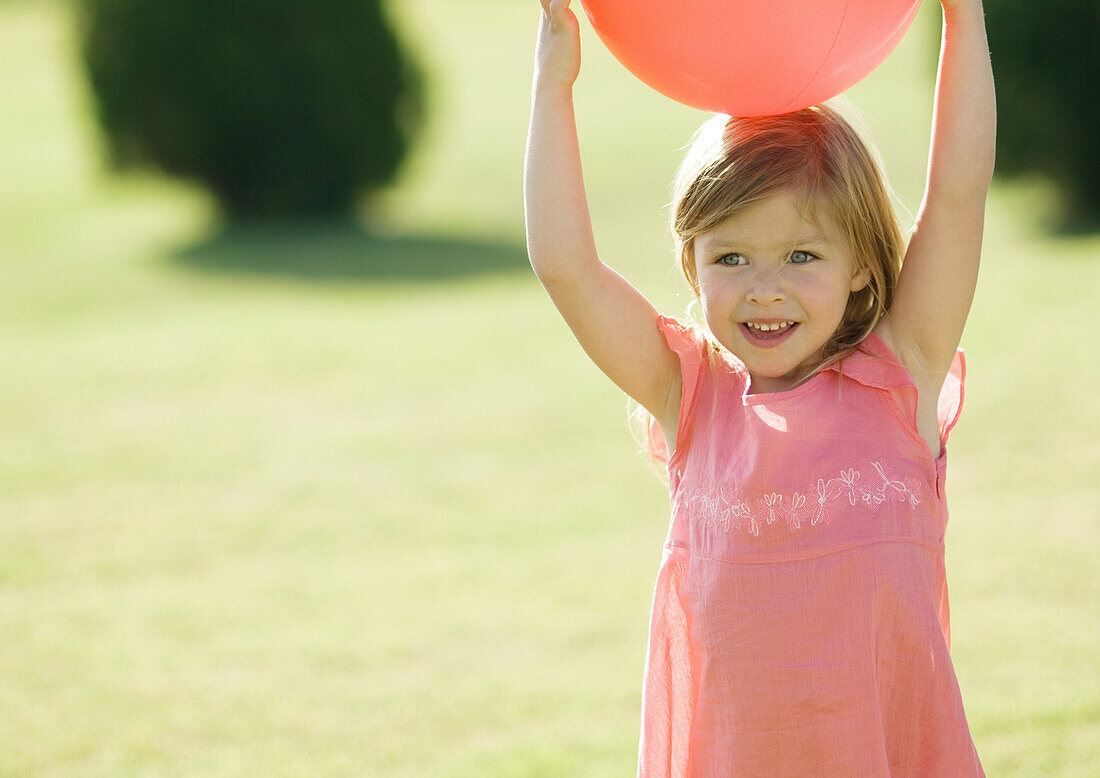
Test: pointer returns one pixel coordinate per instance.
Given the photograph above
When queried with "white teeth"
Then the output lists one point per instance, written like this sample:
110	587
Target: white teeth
770	327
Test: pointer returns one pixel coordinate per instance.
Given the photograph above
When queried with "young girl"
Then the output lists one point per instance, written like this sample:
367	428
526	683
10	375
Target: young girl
800	621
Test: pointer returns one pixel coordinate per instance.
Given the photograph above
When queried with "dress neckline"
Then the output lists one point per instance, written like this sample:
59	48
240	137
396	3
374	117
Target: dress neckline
888	373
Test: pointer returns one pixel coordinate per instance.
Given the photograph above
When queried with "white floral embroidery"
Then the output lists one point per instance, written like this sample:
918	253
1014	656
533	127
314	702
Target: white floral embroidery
824	494
771	505
891	488
797	512
850	478
709	505
727	509
743	517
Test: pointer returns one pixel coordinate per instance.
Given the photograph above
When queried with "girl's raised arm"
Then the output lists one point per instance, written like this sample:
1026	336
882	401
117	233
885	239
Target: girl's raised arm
613	322
940	271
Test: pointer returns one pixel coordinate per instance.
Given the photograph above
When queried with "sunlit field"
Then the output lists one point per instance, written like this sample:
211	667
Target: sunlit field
326	500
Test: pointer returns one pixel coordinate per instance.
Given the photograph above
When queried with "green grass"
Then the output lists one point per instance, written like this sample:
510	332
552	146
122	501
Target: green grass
302	501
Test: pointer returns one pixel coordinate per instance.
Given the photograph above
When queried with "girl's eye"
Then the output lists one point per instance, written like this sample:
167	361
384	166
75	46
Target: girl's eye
801	257
731	260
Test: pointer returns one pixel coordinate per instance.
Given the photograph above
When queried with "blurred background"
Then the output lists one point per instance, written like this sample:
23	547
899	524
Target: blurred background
302	474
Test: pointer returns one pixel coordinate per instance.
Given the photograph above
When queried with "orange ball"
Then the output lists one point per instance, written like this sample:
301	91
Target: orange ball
750	57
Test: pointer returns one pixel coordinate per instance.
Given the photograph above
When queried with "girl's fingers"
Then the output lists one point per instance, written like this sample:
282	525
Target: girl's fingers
555	9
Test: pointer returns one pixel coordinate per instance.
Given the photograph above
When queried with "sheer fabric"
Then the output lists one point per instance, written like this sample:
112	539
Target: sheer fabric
800	621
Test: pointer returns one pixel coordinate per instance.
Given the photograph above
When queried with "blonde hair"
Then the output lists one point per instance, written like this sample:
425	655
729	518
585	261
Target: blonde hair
816	153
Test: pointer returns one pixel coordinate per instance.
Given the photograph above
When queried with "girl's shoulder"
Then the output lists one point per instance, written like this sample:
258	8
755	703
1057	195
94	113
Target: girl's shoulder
705	368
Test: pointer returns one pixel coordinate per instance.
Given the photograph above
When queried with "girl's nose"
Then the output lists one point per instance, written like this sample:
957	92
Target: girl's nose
766	290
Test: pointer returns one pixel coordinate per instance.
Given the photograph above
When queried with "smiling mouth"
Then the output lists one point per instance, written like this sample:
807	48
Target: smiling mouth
769	326
769	333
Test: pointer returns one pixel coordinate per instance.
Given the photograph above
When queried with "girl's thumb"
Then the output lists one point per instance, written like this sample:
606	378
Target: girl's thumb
557	9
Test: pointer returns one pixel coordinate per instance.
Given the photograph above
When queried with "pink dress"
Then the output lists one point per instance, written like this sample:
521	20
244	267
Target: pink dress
800	623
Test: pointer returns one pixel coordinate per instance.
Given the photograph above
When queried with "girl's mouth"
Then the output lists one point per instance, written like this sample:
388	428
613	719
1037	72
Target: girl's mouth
767	335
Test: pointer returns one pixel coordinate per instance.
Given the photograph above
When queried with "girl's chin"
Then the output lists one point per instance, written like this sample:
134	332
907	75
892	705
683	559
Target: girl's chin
776	380
785	373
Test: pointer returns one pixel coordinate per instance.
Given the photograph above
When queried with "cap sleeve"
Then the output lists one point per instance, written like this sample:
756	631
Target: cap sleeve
874	365
950	401
879	367
689	346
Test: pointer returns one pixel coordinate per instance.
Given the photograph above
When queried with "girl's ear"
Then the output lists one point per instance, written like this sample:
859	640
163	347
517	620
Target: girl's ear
860	278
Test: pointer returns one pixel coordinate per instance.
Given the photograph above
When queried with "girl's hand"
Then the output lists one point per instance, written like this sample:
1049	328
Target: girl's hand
558	53
952	5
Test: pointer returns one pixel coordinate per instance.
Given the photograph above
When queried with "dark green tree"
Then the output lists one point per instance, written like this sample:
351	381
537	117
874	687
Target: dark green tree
1046	63
279	107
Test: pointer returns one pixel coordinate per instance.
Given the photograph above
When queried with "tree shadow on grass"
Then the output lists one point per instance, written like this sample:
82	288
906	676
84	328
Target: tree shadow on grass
342	250
1055	214
1084	224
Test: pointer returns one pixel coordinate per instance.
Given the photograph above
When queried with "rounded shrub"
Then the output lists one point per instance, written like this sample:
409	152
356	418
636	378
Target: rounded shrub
1046	64
279	107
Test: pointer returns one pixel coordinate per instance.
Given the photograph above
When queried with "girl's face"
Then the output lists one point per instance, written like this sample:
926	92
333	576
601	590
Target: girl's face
773	287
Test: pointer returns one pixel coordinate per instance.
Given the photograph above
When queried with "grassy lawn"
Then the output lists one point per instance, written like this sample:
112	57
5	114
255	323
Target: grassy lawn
312	502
